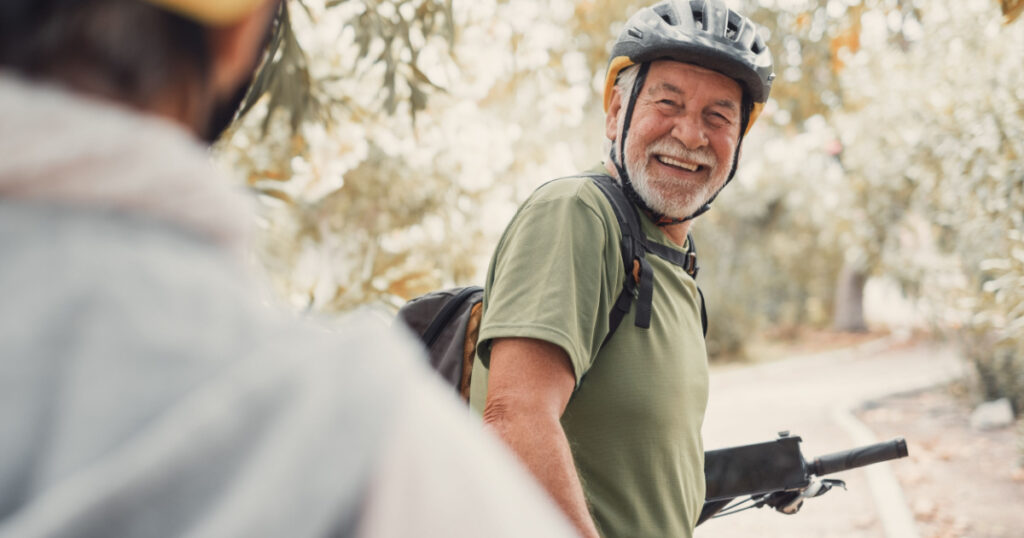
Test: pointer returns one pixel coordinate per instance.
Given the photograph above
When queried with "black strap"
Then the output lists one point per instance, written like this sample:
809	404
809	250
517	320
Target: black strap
619	310
645	295
703	313
624	209
687	260
634	246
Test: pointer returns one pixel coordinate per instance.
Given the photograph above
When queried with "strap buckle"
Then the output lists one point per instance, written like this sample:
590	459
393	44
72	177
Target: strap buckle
691	267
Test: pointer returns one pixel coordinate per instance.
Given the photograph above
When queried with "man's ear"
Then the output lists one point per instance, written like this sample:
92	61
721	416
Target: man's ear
611	118
235	47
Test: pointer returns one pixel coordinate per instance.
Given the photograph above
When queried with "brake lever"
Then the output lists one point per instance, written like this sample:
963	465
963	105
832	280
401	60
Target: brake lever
790	502
818	488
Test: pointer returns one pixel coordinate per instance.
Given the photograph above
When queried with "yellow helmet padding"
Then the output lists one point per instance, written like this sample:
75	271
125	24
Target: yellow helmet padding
754	113
621	62
210	12
614	67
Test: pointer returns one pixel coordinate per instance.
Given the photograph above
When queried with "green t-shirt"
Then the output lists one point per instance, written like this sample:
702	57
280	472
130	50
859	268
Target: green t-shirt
634	419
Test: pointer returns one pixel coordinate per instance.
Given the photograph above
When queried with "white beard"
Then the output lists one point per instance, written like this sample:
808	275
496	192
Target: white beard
669	196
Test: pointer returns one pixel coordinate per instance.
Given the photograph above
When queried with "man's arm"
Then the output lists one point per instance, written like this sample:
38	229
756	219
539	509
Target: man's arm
529	384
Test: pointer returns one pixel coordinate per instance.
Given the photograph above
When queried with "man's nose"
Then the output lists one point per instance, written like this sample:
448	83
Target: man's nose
689	130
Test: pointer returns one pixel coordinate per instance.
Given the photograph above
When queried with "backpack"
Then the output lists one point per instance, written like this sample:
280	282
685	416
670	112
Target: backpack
448	321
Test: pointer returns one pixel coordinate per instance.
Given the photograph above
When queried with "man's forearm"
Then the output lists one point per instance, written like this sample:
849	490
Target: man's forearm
540	443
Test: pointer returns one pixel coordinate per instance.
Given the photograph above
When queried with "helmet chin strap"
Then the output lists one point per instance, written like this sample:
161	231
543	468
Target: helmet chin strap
619	161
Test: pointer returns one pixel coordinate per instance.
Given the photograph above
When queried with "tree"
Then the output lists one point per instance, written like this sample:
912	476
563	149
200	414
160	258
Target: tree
370	191
935	135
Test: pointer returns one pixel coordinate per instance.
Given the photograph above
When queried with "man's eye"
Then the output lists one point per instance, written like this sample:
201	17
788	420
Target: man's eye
720	119
668	105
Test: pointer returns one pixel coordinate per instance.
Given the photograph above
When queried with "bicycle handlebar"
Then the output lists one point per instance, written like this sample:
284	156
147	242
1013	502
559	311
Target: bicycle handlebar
858	457
763	471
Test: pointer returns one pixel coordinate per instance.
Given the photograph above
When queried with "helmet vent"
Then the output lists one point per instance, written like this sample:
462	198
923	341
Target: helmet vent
732	28
701	32
698	20
665	12
758	45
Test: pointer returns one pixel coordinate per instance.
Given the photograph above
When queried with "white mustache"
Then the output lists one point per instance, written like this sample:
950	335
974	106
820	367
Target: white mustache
668	148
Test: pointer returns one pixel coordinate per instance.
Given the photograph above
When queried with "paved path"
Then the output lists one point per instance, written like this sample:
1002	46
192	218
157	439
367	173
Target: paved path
810	396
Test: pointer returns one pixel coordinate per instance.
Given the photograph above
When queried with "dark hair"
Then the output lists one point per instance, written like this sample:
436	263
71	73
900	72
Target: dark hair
122	49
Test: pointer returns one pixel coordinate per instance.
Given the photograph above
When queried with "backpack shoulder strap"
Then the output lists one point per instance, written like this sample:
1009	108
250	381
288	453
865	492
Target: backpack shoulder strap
692	268
639	278
703	313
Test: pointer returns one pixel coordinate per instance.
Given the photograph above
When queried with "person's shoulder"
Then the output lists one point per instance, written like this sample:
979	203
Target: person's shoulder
448	476
577	190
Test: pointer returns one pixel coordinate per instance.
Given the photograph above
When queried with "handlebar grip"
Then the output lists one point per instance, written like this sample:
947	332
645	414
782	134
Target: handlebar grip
859	457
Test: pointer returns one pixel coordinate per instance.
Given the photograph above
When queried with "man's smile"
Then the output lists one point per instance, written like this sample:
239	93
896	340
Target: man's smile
680	164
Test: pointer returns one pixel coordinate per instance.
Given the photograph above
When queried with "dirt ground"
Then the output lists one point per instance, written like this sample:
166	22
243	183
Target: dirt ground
958	482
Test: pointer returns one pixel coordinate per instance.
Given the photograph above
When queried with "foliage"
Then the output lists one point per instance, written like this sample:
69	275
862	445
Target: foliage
376	193
396	28
767	260
910	116
1012	9
935	135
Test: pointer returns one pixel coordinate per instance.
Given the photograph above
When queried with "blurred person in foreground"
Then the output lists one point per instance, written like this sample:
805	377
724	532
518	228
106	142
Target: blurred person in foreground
144	390
612	426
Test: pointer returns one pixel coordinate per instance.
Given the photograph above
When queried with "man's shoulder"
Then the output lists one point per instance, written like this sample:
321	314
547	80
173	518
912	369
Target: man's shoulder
577	191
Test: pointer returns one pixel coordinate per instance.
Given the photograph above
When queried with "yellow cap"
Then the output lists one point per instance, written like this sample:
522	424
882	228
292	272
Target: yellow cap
211	12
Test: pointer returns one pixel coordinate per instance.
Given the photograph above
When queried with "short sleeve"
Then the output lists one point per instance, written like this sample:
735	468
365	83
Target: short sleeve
554	272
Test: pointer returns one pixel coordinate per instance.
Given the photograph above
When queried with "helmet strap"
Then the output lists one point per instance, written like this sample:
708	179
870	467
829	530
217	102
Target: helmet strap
620	160
634	93
746	107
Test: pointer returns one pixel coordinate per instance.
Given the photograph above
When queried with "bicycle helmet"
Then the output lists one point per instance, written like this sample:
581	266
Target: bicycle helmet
699	32
212	12
705	33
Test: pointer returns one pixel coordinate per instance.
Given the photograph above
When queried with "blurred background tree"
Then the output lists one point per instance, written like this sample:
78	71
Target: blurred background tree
390	141
934	140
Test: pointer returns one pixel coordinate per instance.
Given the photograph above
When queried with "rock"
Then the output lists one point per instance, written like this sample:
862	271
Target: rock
992	415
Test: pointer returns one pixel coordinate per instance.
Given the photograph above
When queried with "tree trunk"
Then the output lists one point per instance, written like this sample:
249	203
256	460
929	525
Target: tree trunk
849	304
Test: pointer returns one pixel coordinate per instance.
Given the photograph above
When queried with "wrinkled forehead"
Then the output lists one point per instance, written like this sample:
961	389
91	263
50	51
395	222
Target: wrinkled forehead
689	79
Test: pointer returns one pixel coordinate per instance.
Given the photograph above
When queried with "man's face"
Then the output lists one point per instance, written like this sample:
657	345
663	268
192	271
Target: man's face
683	135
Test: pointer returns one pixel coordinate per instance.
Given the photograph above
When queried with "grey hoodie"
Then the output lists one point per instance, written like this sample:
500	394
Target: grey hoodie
145	390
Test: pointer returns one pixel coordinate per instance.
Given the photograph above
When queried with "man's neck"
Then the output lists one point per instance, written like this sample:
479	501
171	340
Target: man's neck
675	232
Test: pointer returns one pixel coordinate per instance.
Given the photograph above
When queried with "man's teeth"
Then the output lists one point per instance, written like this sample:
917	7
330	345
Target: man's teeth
678	164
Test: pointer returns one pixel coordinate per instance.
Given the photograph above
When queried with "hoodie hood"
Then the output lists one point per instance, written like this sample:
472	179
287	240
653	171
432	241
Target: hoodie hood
63	148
